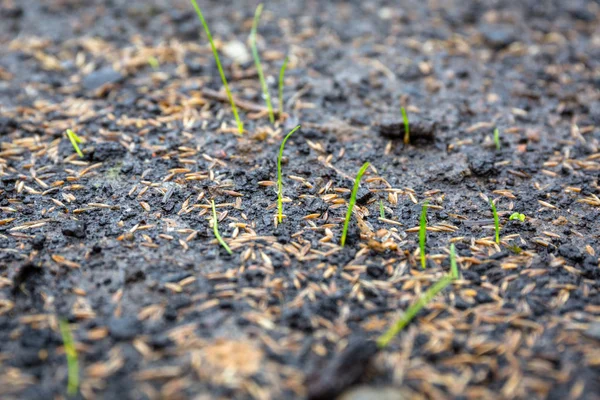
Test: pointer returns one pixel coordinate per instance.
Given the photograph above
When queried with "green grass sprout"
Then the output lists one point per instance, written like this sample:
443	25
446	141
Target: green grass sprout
219	66
361	172
381	209
281	76
453	265
74	142
496	221
423	234
279	177
412	311
497	138
153	61
261	75
517	216
406	126
71	354
216	228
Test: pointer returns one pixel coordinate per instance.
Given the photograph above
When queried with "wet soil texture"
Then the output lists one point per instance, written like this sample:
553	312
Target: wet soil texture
119	243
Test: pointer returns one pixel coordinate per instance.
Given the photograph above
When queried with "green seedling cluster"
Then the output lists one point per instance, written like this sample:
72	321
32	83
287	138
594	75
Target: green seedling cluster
517	216
406	126
259	70
352	201
497	138
75	140
216	228
240	125
423	234
496	221
71	354
281	76
280	178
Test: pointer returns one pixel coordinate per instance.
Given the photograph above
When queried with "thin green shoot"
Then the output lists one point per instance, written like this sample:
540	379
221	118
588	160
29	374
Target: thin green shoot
153	62
71	354
423	234
517	216
74	142
280	178
453	265
361	172
240	125
412	311
261	75
496	221
216	228
497	139
381	209
281	76
406	126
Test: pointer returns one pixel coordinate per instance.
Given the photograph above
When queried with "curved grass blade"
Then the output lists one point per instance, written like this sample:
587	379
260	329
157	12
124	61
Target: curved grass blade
412	311
496	221
74	139
219	66
279	177
216	228
71	354
406	126
281	76
423	234
453	265
261	75
361	172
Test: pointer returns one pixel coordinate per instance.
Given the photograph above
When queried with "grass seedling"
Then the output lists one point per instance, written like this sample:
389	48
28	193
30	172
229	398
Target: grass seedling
453	264
517	216
412	311
261	75
361	172
496	221
279	177
406	126
497	139
281	76
216	228
218	61
423	234
381	209
153	62
75	140
71	354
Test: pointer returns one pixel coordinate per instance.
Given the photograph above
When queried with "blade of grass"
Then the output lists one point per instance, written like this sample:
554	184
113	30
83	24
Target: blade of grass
423	234
406	126
361	172
453	265
281	76
74	139
261	75
219	66
279	177
153	62
381	209
496	221
71	354
216	228
412	311
497	139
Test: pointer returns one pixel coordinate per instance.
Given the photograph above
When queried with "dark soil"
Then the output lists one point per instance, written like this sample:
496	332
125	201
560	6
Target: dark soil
119	243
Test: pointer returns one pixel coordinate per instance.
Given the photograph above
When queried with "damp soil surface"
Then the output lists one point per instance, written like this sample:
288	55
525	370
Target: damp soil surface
120	243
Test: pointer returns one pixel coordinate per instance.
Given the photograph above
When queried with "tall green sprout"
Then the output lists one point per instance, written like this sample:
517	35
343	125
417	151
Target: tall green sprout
75	140
361	172
281	76
453	265
423	234
406	126
218	61
280	178
496	221
261	75
497	139
381	209
71	354
216	228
